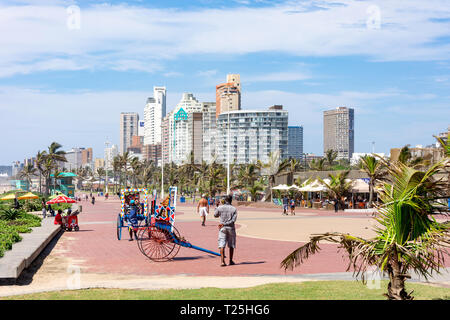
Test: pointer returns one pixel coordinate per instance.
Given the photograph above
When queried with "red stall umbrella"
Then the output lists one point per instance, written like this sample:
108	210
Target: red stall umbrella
61	199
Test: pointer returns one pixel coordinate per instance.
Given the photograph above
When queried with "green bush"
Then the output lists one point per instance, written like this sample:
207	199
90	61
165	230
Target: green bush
10	229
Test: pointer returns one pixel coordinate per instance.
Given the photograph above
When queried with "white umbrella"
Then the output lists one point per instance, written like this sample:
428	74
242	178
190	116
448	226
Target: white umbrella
281	187
360	186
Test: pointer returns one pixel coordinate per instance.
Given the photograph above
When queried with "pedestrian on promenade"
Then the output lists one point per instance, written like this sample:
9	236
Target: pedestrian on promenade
44	212
285	205
292	207
203	208
336	204
93	200
227	230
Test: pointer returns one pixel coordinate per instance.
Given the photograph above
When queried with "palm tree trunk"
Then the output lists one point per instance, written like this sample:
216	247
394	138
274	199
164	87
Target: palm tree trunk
371	187
396	286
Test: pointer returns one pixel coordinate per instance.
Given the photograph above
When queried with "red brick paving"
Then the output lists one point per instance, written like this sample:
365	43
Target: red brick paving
97	246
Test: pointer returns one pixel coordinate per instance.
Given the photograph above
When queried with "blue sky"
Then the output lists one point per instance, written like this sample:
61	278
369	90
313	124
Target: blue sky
66	77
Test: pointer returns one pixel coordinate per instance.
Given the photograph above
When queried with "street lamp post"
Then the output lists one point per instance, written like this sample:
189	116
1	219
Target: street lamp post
106	167
228	160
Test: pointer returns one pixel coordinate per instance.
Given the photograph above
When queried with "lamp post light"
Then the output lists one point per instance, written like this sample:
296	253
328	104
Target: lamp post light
106	166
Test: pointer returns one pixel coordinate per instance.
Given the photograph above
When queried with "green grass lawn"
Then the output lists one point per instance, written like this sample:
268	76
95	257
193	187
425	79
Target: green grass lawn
311	290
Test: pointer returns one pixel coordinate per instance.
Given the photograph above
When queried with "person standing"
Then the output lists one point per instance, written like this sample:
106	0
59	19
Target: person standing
132	220
203	208
285	205
227	230
292	207
336	204
93	200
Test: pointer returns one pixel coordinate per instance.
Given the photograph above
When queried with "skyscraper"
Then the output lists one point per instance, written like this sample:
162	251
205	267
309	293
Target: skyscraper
295	142
129	122
154	112
228	95
183	127
338	132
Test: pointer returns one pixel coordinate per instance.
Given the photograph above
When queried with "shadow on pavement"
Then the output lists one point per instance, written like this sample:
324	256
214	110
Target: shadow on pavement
26	277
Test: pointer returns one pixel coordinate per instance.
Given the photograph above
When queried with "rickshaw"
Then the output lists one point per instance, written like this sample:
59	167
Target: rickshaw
126	195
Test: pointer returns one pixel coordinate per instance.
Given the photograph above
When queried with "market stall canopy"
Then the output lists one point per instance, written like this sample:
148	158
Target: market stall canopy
10	196
314	186
28	195
281	187
61	199
65	175
360	186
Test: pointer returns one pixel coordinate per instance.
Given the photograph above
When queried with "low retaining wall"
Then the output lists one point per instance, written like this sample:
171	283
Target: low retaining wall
24	252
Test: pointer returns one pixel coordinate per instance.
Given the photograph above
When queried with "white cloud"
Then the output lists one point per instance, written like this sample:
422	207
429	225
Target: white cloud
139	38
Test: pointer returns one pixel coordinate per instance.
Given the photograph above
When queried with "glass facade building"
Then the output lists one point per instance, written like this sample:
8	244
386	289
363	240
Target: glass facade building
295	142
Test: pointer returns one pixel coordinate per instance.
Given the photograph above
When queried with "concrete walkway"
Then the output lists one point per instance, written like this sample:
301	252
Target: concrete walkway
24	252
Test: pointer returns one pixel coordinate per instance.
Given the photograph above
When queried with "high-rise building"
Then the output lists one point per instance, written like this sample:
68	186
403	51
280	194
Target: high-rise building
209	130
86	157
228	95
182	131
253	135
338	132
154	112
295	142
110	153
129	122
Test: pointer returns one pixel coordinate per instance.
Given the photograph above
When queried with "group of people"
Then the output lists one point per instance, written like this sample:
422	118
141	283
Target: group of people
288	203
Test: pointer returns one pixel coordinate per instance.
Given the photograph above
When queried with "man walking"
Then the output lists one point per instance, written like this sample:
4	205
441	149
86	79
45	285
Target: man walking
227	230
203	208
285	205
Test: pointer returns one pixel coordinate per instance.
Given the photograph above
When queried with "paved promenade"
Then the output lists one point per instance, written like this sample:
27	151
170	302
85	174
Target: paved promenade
93	257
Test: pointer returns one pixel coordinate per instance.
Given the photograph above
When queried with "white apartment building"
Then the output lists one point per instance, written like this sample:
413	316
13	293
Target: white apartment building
154	112
110	153
129	124
253	135
183	131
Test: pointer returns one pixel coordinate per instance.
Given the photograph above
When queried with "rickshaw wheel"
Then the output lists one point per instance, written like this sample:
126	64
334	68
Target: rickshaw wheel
119	227
158	244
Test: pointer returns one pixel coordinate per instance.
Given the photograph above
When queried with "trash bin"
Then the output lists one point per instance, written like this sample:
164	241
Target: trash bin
182	199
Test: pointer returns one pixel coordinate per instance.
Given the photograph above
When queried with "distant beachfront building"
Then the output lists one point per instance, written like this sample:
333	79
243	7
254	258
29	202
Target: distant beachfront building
254	134
209	130
295	142
110	153
129	122
154	113
184	131
228	95
338	132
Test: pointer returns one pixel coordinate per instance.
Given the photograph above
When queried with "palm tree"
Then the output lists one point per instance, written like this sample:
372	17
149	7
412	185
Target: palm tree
317	164
375	169
330	156
294	166
255	188
408	238
40	160
27	173
52	157
272	169
247	175
339	185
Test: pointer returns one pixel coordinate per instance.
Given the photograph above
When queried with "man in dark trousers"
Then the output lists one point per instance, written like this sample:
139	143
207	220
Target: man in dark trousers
132	219
227	231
